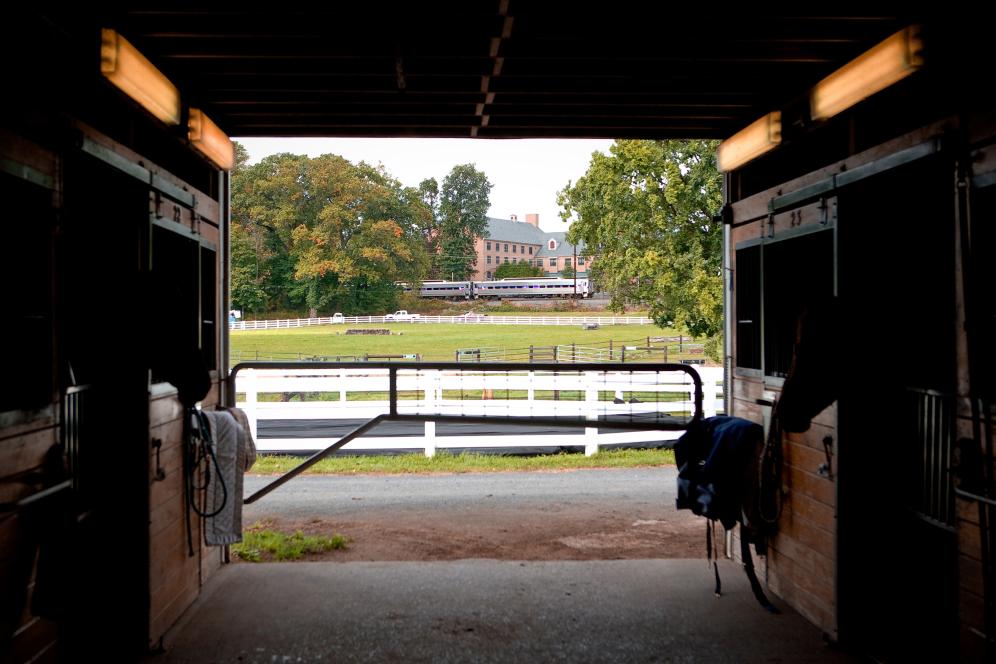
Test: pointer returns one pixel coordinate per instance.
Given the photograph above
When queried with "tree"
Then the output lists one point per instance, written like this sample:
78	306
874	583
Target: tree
356	235
567	272
428	191
262	208
517	270
323	233
647	210
464	200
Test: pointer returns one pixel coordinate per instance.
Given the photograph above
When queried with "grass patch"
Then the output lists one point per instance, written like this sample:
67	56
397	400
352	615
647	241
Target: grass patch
445	462
260	543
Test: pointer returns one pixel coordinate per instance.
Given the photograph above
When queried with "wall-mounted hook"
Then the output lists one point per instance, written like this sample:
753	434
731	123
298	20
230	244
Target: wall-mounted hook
160	475
826	469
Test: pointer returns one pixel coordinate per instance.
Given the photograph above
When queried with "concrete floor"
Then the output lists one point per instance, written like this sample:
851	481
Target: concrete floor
487	611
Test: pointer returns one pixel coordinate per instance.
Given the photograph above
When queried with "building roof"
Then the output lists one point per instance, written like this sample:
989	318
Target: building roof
506	230
520	232
564	248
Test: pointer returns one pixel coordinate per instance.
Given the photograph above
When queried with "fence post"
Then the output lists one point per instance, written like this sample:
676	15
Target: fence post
251	403
591	404
430	439
431	393
530	353
709	396
610	350
681	340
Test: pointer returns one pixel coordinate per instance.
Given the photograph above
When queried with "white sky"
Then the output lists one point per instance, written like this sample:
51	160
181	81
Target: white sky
526	174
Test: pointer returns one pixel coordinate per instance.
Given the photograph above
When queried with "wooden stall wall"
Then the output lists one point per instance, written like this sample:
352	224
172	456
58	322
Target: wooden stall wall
800	566
84	218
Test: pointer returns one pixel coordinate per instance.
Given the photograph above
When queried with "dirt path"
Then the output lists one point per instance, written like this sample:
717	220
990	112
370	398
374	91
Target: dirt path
583	515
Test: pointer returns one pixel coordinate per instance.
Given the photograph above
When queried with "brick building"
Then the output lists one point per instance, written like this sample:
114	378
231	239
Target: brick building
514	241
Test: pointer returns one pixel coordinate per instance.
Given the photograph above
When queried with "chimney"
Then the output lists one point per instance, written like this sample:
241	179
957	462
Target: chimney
514	217
533	219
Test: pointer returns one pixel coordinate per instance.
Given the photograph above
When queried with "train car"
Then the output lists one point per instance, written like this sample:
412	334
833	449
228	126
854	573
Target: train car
445	290
536	287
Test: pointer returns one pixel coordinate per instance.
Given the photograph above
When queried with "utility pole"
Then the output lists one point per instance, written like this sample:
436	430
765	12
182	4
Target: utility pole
575	266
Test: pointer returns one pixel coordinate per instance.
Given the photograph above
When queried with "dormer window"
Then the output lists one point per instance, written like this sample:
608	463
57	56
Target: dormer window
551	245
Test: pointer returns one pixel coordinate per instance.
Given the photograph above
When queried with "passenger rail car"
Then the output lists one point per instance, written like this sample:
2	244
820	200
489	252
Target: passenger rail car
499	288
539	287
443	290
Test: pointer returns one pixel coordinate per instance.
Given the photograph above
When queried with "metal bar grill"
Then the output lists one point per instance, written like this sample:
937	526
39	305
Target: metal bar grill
931	493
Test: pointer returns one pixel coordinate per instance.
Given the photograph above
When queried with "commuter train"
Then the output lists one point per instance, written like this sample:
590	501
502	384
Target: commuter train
502	288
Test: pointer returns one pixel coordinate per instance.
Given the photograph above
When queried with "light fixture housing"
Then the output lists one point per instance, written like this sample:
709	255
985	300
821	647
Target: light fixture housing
750	142
874	70
209	140
124	66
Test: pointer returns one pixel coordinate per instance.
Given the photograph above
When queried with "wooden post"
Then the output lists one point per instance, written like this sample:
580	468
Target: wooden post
591	403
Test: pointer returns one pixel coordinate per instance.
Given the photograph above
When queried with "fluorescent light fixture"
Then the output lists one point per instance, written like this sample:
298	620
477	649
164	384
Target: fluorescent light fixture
210	141
876	69
138	78
750	142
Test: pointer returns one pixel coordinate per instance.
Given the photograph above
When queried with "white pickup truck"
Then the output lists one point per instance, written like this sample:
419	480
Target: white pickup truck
402	315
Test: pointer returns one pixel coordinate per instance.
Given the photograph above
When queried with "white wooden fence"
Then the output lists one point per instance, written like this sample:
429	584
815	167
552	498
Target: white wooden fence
360	394
460	320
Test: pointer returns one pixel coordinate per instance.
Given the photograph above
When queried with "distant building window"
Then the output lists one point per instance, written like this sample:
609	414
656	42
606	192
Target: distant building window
580	260
552	244
487	275
506	246
514	247
506	260
489	260
530	251
522	249
487	246
515	260
553	261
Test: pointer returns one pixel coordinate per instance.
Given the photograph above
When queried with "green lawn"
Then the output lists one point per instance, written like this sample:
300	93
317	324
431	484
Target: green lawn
433	342
445	462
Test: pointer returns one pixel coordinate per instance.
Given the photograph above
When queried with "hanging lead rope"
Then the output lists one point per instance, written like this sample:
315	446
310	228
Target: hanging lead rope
198	447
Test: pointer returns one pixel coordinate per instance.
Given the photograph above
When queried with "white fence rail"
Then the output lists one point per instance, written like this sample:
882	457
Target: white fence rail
459	320
354	395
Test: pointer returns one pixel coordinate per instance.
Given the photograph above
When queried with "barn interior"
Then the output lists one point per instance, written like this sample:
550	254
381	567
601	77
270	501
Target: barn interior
116	271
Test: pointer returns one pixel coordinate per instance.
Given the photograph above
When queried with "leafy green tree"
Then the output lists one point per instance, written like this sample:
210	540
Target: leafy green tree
248	293
517	270
647	210
567	272
428	192
262	207
324	233
355	235
464	200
